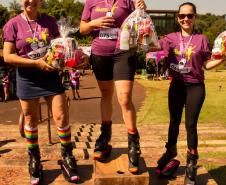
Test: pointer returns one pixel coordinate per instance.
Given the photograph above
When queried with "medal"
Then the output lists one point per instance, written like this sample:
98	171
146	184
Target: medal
34	45
182	62
41	44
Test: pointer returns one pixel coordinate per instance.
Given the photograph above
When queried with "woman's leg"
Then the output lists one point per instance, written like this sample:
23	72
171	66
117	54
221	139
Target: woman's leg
124	94
107	90
194	102
77	92
124	71
60	113
6	92
31	112
73	91
31	117
102	148
58	105
103	69
176	102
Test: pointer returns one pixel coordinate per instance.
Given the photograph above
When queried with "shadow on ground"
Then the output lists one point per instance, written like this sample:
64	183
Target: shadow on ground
219	174
5	142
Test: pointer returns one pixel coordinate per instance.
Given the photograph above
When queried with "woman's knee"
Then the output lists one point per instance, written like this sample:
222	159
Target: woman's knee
125	101
61	119
106	93
30	111
31	120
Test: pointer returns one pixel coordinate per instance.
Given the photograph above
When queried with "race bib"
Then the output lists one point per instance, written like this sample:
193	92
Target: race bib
109	33
182	70
185	70
38	53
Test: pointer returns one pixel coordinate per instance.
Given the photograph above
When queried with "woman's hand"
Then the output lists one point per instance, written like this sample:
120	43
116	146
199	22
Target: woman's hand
42	64
140	4
103	22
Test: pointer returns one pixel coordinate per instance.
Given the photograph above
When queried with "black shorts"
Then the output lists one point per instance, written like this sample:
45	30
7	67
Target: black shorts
120	66
74	87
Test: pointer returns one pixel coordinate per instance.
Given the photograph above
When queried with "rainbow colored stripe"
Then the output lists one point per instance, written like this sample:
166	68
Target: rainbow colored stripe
31	138
64	135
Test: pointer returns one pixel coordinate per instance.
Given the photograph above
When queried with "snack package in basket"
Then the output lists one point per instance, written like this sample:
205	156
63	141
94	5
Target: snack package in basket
76	60
62	49
219	48
138	31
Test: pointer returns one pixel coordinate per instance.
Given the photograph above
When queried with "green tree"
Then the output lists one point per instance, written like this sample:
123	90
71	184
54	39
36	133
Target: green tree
15	7
65	8
4	15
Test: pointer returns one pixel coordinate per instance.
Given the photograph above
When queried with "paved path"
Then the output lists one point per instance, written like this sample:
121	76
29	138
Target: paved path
84	111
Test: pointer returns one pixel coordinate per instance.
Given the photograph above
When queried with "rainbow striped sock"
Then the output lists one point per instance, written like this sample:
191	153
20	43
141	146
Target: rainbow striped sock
31	135
64	135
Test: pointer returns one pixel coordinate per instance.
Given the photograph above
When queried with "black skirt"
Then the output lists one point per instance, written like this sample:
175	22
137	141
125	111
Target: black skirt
34	83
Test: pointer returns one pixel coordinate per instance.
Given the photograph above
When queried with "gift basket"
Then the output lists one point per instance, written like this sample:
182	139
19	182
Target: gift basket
219	48
64	52
138	31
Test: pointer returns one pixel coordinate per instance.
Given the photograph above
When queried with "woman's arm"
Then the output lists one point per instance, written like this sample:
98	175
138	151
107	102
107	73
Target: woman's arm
10	57
210	64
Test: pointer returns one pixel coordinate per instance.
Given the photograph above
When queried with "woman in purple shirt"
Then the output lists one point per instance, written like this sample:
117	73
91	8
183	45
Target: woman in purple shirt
26	38
187	53
103	19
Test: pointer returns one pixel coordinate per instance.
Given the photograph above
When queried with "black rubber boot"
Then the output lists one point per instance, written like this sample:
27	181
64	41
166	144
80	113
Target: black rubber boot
171	153
191	169
134	152
35	167
167	165
102	148
68	163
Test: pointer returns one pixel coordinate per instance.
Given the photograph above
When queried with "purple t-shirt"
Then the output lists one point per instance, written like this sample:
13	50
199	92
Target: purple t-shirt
33	36
198	51
98	8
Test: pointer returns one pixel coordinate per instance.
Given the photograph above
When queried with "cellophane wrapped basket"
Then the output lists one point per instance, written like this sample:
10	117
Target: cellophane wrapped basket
219	48
63	51
138	31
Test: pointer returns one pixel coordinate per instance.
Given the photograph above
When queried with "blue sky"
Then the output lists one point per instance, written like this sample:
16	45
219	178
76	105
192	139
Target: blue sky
217	7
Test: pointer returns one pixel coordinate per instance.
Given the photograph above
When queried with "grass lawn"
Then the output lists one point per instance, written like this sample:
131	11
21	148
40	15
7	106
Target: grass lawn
155	108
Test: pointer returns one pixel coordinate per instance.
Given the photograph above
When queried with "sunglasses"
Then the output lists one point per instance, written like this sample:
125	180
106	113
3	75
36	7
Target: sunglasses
189	16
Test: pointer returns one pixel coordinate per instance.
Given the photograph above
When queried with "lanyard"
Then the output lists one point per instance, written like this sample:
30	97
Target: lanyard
32	31
109	5
182	48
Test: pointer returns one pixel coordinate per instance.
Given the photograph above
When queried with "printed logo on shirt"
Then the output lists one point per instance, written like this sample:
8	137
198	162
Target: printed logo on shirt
105	10
38	44
190	50
38	41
